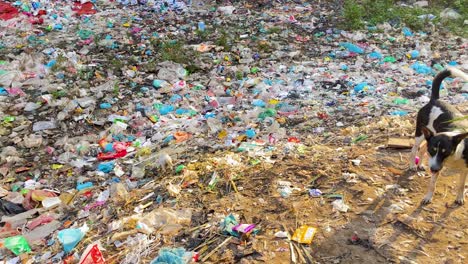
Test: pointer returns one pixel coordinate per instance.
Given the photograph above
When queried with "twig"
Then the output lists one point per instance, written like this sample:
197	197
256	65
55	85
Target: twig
293	255
208	242
306	252
298	250
291	248
233	185
216	249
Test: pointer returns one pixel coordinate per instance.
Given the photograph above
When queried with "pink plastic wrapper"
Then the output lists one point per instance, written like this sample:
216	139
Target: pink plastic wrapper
42	219
244	228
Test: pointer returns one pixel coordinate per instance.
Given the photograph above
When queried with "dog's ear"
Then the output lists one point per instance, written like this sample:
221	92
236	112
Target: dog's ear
458	138
427	133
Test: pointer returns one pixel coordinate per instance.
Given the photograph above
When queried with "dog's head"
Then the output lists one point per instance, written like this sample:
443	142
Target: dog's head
440	146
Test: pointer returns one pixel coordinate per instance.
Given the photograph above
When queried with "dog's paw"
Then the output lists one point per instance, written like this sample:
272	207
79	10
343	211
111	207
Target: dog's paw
459	201
426	200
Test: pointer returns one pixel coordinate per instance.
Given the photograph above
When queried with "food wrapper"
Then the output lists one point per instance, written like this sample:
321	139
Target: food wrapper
304	234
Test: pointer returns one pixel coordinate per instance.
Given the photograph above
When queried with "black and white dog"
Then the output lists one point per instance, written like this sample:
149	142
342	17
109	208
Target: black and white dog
444	130
448	149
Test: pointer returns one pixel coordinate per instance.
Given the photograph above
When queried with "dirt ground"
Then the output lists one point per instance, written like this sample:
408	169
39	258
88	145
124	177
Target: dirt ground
385	211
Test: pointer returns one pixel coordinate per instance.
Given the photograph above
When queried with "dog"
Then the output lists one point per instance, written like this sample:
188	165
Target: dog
436	115
441	125
448	149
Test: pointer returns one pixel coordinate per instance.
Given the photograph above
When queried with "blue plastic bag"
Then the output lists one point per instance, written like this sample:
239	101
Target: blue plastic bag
259	103
170	256
407	32
71	237
351	47
166	109
106	167
421	68
250	133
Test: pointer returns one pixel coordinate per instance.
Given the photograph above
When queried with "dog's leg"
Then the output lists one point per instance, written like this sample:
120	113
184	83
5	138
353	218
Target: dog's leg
414	151
461	188
432	185
422	155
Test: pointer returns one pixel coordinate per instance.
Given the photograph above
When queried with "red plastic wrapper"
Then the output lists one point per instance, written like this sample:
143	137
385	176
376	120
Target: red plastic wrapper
92	255
7	11
121	146
294	140
84	9
111	156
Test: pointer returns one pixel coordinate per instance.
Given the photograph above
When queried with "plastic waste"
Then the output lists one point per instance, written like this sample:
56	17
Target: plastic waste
44	125
315	193
17	244
92	254
375	55
71	237
407	32
304	234
84	185
43	231
51	202
399	113
106	167
40	220
173	256
421	68
351	47
340	206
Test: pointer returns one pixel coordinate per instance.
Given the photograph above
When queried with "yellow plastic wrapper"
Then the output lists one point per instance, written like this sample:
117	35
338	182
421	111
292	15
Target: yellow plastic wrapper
304	234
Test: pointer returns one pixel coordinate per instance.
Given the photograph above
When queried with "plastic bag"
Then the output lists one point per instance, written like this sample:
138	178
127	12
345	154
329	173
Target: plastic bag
71	237
172	256
163	216
17	244
92	254
8	207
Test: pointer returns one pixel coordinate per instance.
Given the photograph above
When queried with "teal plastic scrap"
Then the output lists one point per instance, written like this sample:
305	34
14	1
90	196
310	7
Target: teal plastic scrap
171	256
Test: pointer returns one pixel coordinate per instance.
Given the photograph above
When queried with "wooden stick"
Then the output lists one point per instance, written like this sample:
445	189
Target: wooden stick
234	186
291	248
216	249
293	255
306	252
298	250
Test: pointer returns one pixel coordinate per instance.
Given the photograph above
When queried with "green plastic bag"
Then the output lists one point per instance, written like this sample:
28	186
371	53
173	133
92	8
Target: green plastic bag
17	245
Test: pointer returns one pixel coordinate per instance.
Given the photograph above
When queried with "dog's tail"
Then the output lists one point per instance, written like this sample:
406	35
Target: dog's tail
450	71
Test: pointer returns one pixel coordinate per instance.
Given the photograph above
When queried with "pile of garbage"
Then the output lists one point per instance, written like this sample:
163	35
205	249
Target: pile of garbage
113	111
